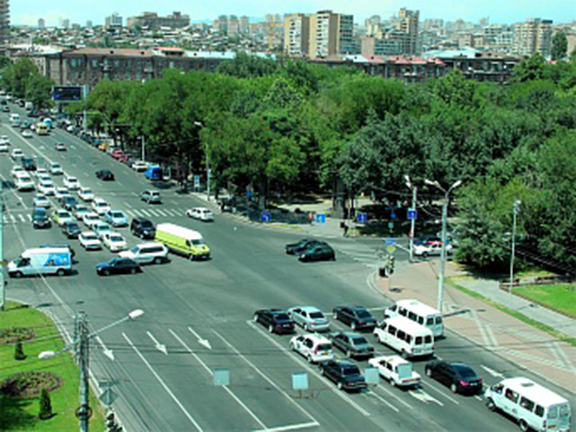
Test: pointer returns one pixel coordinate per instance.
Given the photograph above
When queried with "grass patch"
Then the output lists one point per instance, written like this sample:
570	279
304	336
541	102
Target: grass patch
559	296
545	328
22	414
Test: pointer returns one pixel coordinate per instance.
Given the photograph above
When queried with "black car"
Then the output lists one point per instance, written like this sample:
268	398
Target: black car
319	252
68	202
353	344
357	317
71	230
106	175
143	228
344	373
118	266
275	320
40	218
302	245
29	164
458	376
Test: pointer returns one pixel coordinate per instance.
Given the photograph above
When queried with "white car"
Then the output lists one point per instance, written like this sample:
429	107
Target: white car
27	133
79	211
17	153
396	370
90	219
71	183
16	169
100	206
309	318
85	194
61	192
114	241
41	172
101	228
62	216
4	139
426	250
41	201
200	213
89	240
147	253
56	169
314	348
46	187
139	166
4	147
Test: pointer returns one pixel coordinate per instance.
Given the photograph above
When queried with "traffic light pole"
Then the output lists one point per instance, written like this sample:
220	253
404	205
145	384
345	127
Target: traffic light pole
82	355
413	224
2	279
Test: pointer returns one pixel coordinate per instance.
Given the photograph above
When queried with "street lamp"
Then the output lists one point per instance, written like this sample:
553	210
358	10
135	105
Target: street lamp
208	171
443	250
515	211
81	354
413	221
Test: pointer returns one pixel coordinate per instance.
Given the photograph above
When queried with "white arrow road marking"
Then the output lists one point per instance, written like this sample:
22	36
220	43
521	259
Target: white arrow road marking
160	347
493	372
107	352
384	401
422	396
203	342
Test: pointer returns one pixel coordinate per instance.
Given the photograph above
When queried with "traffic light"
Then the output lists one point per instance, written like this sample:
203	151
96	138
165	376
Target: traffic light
111	425
391	262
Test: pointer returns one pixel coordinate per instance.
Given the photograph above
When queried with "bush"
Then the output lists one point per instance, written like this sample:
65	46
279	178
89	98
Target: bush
19	352
45	405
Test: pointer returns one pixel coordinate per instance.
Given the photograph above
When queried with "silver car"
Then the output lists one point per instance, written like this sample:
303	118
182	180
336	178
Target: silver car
151	197
309	318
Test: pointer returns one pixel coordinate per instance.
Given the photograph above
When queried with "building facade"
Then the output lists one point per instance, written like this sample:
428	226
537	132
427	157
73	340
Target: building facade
408	24
331	34
297	35
152	21
4	25
113	21
534	35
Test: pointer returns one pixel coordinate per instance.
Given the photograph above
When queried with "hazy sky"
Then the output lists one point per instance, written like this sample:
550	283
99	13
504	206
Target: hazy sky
499	11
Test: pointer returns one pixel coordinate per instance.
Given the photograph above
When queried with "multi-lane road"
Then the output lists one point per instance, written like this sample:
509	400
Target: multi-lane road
198	319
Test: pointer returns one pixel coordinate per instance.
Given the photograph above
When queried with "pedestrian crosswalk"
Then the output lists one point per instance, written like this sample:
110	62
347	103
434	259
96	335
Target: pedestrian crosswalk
17	218
155	212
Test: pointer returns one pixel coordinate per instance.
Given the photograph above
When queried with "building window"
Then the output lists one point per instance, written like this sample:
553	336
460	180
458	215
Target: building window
94	63
116	63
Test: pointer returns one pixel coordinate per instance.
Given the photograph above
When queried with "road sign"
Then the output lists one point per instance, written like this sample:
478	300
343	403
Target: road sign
362	217
390	241
391	249
265	216
300	381
321	218
393	215
412	214
196	181
221	377
372	375
108	397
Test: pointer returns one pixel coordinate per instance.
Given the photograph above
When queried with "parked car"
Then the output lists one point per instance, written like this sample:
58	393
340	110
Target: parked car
85	194
16	154
353	344
117	154
151	197
89	240
312	347
301	246
114	241
460	378
71	230
426	250
147	253
27	133
396	370
79	210
428	240
105	175
68	202
15	170
40	218
46	187
309	318
275	320
116	218
357	317
344	373
61	217
320	252
201	213
118	266
143	228
41	201
71	183
139	166
41	172
4	147
29	164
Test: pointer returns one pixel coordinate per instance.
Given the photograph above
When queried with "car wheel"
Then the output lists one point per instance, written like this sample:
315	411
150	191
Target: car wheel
429	372
392	382
106	272
322	372
336	316
454	388
191	257
133	271
404	354
349	353
524	426
17	274
339	386
491	405
353	325
425	255
60	272
270	328
157	260
309	358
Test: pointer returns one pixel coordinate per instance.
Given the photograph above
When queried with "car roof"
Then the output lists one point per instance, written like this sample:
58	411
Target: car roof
141	219
308	308
317	338
393	360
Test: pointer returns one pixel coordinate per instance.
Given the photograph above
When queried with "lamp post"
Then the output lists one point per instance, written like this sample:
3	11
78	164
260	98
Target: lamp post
443	250
208	170
515	211
81	345
413	221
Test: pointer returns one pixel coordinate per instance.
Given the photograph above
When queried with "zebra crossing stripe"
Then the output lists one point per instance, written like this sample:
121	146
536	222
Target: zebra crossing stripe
29	218
161	213
171	212
153	212
130	212
136	212
12	218
22	218
145	213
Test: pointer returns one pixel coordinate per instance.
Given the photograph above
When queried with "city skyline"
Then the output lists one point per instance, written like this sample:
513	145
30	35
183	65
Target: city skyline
560	11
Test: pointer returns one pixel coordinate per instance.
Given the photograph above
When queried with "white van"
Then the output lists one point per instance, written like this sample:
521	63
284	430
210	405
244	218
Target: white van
535	407
48	260
407	337
418	312
15	119
23	181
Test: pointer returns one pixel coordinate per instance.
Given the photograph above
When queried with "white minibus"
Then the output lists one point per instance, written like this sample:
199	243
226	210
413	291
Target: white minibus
24	182
407	337
533	406
418	312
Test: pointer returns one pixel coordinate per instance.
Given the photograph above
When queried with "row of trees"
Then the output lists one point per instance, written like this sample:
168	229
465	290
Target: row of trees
24	81
289	127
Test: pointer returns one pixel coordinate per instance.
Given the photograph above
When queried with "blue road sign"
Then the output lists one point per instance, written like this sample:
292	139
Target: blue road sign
321	218
362	217
393	215
265	216
248	194
196	181
412	214
390	241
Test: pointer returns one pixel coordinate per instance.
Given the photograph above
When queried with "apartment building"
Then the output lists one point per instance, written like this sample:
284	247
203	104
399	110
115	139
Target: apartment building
297	35
113	21
331	34
534	35
4	25
152	21
408	24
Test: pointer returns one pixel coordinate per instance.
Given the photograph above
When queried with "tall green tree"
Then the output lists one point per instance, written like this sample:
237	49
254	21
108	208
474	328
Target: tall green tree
38	88
559	46
530	69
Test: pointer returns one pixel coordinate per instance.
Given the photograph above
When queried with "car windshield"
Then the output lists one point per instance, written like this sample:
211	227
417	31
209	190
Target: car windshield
56	166
117	214
91	216
116	239
101	204
359	341
90	237
363	314
465	372
147	224
350	370
86	191
316	315
282	317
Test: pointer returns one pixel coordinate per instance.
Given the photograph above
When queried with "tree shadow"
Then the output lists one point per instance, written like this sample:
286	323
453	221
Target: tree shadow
13	414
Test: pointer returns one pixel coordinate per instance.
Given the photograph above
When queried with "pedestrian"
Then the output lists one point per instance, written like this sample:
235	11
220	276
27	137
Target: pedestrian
345	229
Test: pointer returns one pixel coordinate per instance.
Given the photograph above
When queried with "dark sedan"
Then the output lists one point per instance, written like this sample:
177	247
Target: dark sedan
353	344
40	218
357	317
118	266
275	320
68	202
344	373
458	376
320	252
71	230
301	246
106	175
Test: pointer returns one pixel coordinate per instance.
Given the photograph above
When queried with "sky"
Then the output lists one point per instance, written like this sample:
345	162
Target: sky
498	11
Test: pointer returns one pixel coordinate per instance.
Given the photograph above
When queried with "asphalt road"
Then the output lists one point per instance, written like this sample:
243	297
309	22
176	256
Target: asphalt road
163	369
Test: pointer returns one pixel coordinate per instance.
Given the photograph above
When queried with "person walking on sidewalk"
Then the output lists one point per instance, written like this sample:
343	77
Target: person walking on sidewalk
344	226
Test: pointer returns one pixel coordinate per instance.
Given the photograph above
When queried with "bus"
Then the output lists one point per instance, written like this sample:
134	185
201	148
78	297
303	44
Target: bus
42	128
419	313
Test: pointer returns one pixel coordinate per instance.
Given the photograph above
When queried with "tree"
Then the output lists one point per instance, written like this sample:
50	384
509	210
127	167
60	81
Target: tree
529	69
38	88
245	66
454	88
17	75
19	352
559	46
45	405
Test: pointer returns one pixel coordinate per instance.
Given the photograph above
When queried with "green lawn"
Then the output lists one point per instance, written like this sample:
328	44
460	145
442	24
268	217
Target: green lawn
561	297
22	414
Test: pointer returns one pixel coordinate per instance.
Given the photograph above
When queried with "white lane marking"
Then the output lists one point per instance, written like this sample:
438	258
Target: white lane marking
478	398
230	392
22	218
153	212
29	217
136	212
422	396
171	212
160	347
442	393
395	397
161	213
119	182
314	372
107	352
172	395
291	427
174	202
127	205
113	193
204	342
384	401
561	356
493	372
130	212
12	218
86	174
145	213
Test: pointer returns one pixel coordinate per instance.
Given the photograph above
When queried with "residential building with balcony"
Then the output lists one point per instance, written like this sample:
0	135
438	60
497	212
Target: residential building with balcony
297	35
534	35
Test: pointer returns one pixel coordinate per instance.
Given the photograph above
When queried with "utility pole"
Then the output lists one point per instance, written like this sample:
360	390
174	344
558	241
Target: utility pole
413	221
515	211
2	279
143	149
85	120
84	412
